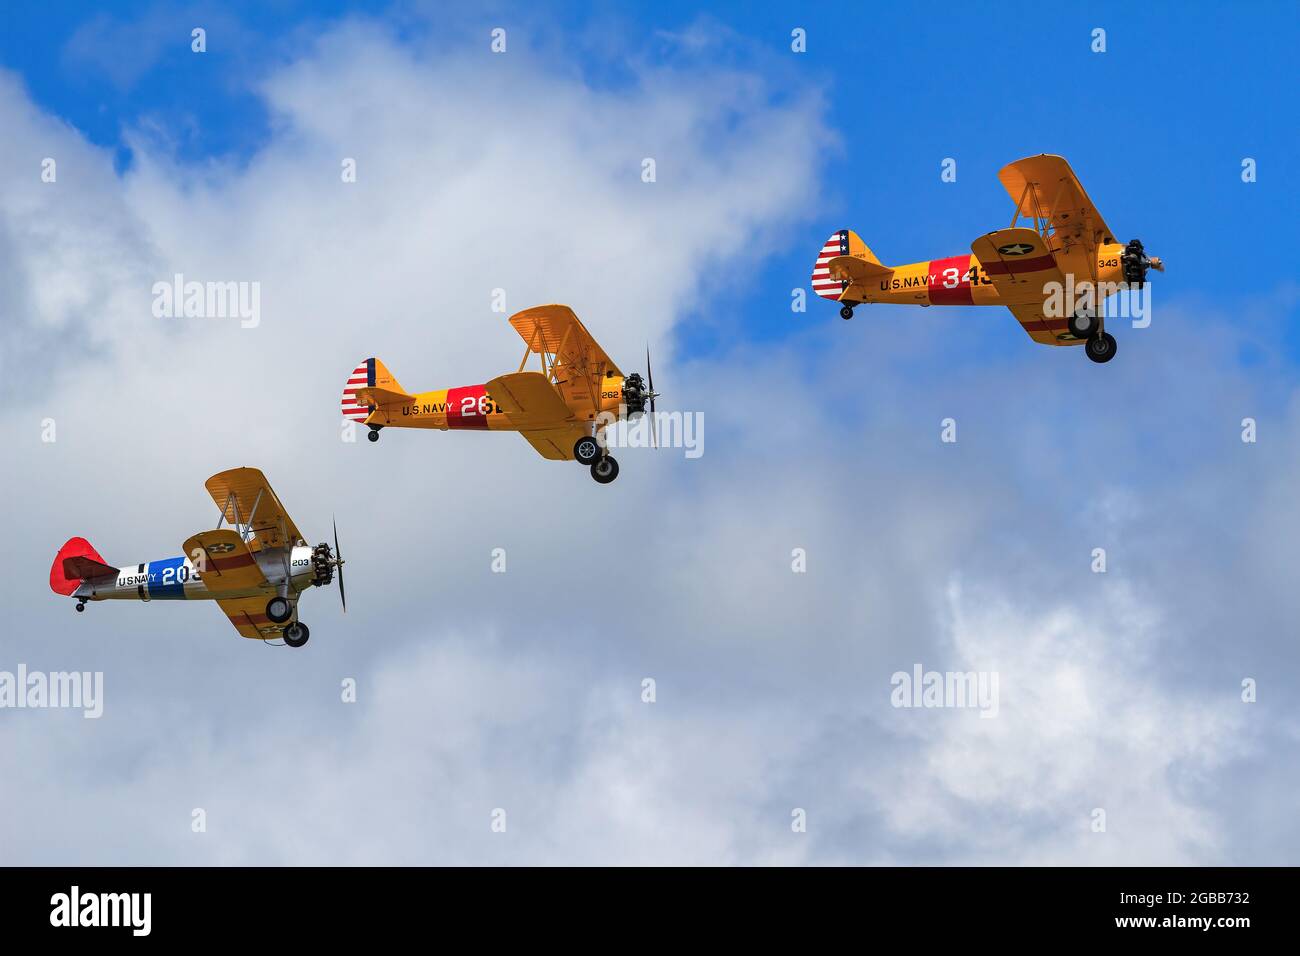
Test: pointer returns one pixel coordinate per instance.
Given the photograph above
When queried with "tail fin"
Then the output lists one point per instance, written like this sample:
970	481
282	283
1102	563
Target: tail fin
370	374
842	243
76	561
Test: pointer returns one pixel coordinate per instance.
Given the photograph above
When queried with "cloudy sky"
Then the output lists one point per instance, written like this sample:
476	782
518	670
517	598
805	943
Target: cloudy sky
523	691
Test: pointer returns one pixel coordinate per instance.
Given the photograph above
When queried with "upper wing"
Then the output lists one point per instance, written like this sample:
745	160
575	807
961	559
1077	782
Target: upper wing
1041	328
555	443
244	493
224	560
529	400
577	363
249	617
556	330
1045	186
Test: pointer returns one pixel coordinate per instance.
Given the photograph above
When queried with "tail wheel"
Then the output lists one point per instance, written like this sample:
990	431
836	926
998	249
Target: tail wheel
296	634
846	312
278	610
586	450
1101	348
605	470
1082	325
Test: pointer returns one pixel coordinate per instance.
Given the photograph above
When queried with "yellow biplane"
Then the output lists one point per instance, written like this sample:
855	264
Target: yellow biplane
255	569
1054	277
562	409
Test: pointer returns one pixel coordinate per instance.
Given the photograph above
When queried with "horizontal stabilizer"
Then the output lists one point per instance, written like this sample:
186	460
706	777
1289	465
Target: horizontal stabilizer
374	395
80	566
853	269
76	561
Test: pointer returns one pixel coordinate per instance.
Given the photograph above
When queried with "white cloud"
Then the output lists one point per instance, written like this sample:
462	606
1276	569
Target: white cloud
522	690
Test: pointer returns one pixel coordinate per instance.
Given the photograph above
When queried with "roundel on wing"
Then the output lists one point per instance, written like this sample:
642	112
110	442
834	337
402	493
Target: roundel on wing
1015	249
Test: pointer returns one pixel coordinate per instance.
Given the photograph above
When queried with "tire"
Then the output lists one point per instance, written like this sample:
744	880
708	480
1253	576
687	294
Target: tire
604	470
1101	348
296	634
373	435
279	610
1082	326
586	450
846	312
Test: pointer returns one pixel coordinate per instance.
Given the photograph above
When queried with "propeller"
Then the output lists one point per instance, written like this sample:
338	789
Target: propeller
338	563
654	428
650	380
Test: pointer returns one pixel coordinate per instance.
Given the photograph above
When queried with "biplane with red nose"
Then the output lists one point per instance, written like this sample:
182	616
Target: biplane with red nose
562	410
255	569
1054	277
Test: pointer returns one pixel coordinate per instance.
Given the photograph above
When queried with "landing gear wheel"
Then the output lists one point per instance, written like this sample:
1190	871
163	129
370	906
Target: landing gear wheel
586	450
373	435
81	606
605	470
296	634
846	312
279	610
1101	348
1082	325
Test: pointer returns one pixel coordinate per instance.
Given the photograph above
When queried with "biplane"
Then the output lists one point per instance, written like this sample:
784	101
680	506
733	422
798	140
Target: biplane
561	410
255	569
1031	271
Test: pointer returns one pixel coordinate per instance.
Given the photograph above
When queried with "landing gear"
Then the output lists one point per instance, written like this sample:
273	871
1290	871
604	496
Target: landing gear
1101	348
296	634
81	605
586	450
604	470
1082	325
373	434
846	312
278	610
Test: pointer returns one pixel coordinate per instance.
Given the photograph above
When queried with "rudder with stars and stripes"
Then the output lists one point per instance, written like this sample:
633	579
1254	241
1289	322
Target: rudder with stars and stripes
362	376
843	243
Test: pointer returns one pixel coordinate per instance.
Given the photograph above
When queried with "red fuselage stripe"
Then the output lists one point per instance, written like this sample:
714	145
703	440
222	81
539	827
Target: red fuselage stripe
944	288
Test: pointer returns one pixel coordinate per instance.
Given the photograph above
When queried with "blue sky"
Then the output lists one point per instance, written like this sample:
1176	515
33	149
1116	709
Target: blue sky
1156	127
1121	690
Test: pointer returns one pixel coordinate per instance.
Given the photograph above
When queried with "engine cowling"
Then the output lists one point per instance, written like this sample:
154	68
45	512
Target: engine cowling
322	565
635	394
1134	263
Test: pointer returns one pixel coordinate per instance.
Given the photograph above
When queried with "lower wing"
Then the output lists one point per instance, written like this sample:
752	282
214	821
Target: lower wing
556	443
248	615
1041	328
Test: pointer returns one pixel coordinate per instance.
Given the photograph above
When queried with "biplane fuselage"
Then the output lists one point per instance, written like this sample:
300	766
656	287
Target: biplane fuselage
180	579
965	280
471	407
